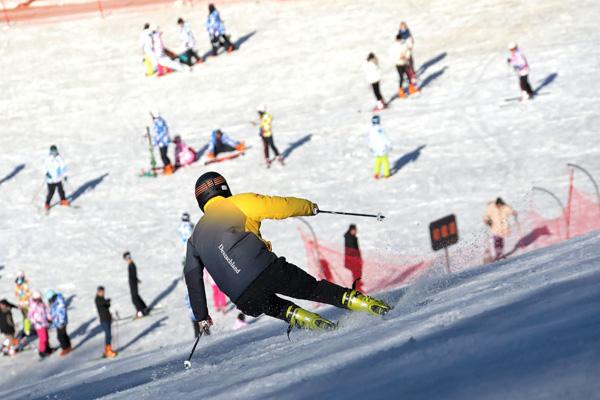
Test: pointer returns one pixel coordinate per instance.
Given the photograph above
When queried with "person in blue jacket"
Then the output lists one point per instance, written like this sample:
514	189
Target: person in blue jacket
216	31
58	314
161	139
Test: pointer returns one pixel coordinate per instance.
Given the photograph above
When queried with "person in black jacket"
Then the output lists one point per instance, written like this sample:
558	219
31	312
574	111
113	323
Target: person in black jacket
352	257
103	306
138	303
7	325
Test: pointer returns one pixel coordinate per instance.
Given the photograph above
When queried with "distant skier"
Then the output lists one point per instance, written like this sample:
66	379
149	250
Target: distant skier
103	307
163	56
266	134
402	53
56	173
59	319
39	317
23	295
184	154
189	55
352	258
380	146
216	31
519	63
219	298
150	62
405	34
222	143
185	229
496	217
7	326
374	78
161	139
228	243
138	303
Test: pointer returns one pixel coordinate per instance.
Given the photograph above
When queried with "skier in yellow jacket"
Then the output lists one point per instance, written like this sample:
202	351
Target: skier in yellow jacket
228	243
496	217
266	134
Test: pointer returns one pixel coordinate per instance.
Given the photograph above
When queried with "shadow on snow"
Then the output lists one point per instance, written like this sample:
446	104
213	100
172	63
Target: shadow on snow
86	187
13	173
413	156
294	145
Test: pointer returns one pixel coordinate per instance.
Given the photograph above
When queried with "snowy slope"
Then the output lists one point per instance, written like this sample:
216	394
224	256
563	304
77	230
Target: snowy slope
80	85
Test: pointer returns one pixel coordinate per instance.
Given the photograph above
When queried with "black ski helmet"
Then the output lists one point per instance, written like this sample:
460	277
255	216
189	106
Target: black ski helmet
211	8
185	217
209	185
53	149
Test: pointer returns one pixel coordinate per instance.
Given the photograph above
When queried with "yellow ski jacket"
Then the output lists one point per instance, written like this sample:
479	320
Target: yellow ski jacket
265	125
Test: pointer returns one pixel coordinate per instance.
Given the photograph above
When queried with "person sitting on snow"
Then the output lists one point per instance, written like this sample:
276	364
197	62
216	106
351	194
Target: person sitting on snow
184	154
221	143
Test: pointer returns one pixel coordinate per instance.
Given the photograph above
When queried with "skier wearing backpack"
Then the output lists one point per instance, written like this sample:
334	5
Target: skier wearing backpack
380	146
55	170
59	319
228	243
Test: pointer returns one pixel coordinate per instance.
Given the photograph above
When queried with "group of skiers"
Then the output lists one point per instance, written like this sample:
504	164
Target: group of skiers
159	60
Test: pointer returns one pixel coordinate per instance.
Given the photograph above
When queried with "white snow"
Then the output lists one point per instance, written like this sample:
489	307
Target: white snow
524	328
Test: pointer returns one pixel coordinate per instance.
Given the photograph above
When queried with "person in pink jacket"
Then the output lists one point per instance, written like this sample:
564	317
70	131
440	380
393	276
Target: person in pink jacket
219	298
521	66
39	317
184	154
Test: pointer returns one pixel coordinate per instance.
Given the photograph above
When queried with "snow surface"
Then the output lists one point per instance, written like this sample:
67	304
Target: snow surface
524	328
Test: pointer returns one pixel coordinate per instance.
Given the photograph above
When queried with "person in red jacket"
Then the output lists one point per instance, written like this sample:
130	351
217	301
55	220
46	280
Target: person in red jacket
352	258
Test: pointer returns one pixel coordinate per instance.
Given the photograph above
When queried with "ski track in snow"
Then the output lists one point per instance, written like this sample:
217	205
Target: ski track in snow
522	328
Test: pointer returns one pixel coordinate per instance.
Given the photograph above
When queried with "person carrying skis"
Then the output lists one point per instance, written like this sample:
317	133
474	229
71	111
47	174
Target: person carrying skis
402	51
7	325
266	134
185	229
59	319
380	146
222	143
189	55
55	170
138	303
496	218
216	31
23	295
228	243
521	66
374	78
38	315
161	139
184	154
352	258
405	34
103	307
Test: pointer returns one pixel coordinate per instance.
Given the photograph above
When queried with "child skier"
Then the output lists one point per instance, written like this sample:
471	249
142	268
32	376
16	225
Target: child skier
141	309
161	139
189	55
519	63
221	143
228	243
38	315
266	134
103	307
216	31
185	229
184	154
7	326
55	169
380	146
59	318
374	77
23	295
402	51
219	298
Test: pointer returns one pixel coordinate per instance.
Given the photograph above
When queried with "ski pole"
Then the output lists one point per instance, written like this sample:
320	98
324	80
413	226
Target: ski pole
187	364
379	216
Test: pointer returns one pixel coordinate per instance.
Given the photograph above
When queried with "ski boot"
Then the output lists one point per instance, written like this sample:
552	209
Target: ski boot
356	301
303	319
108	352
412	89
168	169
65	203
401	93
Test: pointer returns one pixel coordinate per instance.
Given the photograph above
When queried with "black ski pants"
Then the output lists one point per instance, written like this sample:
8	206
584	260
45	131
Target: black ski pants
286	279
63	338
524	84
377	91
190	57
51	188
221	147
138	303
220	40
268	142
163	155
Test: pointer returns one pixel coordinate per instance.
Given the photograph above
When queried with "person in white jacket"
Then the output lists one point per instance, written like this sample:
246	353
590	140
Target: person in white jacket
402	53
189	55
374	77
380	146
150	62
55	170
519	63
162	55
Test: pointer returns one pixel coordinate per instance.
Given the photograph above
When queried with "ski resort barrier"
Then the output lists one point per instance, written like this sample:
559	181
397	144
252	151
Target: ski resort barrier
532	231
